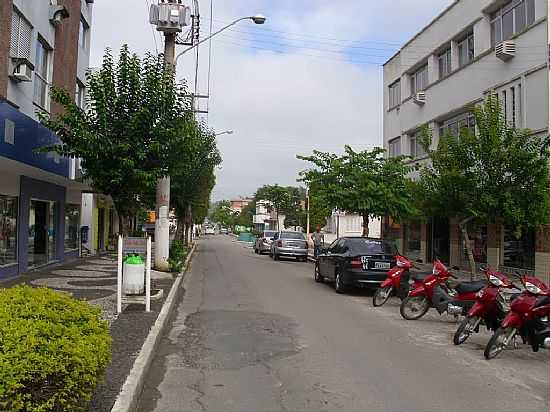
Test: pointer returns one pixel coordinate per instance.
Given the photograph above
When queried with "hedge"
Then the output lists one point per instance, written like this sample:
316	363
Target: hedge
178	254
53	350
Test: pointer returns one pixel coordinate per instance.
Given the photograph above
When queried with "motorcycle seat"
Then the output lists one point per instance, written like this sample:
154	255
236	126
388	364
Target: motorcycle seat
419	276
469	287
542	302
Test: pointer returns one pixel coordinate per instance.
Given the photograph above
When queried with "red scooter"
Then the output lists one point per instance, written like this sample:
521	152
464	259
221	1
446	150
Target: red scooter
529	317
490	307
397	282
434	291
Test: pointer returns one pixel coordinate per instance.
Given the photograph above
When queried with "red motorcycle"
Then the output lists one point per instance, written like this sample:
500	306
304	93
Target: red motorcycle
529	317
434	291
397	282
490	307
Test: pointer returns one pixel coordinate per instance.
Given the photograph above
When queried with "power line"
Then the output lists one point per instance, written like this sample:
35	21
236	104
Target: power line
209	59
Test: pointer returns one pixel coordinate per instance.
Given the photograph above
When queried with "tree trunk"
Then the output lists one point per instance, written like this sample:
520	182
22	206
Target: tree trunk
464	229
124	225
366	225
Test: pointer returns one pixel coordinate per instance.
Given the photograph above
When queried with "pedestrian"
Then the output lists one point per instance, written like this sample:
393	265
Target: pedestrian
318	240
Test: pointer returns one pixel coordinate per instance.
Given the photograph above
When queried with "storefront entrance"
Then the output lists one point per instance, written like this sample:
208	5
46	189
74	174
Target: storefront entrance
439	246
42	233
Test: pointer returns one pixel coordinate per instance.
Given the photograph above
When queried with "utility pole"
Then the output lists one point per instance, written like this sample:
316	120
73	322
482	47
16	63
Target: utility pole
170	18
307	214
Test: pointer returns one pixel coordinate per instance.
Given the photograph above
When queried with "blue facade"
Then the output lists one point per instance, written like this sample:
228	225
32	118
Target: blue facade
29	136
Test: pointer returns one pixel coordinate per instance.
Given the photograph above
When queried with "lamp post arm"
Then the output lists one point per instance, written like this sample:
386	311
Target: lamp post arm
208	38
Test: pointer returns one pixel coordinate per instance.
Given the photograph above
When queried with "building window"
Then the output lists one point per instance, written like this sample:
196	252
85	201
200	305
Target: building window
80	94
21	34
453	126
395	147
519	248
511	19
466	51
8	230
445	66
419	80
41	70
478	243
416	148
83	34
395	94
72	226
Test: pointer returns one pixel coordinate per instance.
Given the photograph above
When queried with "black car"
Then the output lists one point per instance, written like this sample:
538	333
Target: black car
355	261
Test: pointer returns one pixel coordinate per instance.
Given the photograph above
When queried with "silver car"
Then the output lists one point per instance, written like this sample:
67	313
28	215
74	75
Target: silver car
289	244
263	243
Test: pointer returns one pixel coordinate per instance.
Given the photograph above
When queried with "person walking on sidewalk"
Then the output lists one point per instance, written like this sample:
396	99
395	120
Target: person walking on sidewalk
318	240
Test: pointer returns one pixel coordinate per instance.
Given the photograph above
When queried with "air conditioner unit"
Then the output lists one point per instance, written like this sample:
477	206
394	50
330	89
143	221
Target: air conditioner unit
420	98
21	70
506	50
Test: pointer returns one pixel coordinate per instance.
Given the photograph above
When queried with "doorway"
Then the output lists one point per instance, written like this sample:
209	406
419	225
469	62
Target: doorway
42	232
101	230
439	240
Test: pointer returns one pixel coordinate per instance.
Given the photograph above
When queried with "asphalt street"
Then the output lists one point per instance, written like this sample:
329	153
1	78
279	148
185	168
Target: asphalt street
255	335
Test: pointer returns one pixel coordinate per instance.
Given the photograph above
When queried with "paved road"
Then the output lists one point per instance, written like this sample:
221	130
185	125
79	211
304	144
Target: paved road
254	335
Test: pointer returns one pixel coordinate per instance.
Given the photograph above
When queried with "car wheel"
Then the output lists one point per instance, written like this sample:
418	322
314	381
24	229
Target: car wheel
318	278
339	286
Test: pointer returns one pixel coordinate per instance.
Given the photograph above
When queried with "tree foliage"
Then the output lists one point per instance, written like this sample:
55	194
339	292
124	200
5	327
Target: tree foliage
222	213
497	175
365	182
288	201
132	130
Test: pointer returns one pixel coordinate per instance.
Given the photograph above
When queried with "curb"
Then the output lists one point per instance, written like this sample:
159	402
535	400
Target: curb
131	390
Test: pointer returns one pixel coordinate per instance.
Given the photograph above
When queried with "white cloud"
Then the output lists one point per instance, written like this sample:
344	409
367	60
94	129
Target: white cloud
281	104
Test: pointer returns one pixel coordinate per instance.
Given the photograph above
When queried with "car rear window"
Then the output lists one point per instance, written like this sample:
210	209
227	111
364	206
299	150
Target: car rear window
372	247
269	234
292	235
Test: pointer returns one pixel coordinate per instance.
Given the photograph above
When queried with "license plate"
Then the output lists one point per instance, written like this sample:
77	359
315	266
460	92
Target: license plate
382	265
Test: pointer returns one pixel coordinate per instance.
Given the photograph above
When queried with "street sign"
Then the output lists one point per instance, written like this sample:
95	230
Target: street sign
136	245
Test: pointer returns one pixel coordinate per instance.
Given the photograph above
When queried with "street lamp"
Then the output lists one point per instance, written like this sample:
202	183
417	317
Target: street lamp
224	132
257	19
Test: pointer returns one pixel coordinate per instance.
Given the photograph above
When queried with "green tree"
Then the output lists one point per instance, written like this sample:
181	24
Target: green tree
223	214
279	196
246	217
130	134
319	211
366	183
497	175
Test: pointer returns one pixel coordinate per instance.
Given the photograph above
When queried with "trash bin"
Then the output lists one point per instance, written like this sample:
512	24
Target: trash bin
133	270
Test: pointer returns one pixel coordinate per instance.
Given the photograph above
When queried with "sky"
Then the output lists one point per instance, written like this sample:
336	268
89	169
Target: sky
309	79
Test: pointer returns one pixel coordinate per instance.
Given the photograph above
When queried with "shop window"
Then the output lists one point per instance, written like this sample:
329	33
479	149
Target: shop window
519	248
72	226
413	240
478	242
8	230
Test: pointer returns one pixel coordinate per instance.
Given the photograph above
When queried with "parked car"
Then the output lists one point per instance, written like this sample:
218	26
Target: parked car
289	244
355	261
263	243
209	231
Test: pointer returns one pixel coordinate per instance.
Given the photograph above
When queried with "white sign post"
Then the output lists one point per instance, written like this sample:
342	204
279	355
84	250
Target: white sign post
141	246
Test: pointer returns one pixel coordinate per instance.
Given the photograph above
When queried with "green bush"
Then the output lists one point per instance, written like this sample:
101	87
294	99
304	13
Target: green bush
178	254
53	351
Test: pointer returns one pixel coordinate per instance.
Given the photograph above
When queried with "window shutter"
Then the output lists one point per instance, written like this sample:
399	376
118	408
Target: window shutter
21	35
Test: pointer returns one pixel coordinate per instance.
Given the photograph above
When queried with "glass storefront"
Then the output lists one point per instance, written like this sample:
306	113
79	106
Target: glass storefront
478	242
391	231
42	232
8	230
72	226
519	248
413	236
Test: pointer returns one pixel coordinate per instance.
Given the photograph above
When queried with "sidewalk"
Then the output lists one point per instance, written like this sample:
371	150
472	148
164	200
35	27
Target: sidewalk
94	279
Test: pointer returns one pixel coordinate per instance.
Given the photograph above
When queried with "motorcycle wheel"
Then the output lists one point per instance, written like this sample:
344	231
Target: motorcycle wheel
381	296
465	329
498	342
413	308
